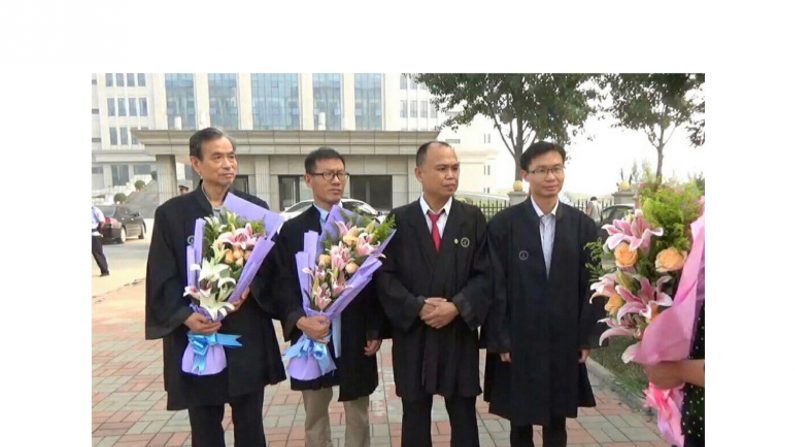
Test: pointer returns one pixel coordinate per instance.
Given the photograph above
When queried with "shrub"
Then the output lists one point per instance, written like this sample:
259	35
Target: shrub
139	185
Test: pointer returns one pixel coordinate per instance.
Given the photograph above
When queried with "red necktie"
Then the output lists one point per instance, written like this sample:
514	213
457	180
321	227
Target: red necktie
437	238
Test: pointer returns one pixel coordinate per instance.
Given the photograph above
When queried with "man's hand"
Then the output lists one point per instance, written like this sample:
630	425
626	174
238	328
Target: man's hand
664	375
372	347
584	355
442	315
316	328
200	324
505	357
426	310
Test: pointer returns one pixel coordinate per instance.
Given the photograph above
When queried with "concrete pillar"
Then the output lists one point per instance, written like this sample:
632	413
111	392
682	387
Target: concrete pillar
390	96
158	108
166	177
202	89
305	91
245	111
262	173
348	102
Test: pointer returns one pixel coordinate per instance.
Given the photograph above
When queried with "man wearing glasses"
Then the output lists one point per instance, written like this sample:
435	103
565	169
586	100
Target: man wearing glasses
541	326
362	321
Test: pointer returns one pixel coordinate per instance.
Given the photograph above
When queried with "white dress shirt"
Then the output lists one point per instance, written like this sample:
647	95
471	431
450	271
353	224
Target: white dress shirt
442	219
547	230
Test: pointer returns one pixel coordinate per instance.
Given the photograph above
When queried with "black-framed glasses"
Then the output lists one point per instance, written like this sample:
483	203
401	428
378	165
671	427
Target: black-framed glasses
329	175
555	170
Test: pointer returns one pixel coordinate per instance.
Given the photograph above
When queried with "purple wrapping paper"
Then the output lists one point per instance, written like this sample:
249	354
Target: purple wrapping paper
306	368
216	356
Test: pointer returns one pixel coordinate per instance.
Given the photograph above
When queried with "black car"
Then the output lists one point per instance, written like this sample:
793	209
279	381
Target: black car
121	223
610	214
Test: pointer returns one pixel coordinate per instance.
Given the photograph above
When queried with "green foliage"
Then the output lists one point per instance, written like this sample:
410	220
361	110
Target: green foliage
629	375
119	197
595	250
524	107
672	208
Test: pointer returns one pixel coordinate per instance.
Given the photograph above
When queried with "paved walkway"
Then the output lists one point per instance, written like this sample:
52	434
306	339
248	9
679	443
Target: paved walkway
129	400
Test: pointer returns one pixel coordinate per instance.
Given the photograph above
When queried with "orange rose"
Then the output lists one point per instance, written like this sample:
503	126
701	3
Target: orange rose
351	268
613	304
670	260
625	256
324	260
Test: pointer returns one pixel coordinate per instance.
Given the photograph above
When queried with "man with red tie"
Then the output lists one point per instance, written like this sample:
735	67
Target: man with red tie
435	287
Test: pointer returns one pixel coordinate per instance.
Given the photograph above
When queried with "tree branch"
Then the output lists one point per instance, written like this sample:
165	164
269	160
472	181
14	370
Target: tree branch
498	127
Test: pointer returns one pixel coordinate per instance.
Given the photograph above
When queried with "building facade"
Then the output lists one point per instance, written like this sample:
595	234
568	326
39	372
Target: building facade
134	113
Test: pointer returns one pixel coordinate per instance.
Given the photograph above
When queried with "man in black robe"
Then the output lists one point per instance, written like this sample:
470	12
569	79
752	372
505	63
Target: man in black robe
541	326
435	286
168	315
362	321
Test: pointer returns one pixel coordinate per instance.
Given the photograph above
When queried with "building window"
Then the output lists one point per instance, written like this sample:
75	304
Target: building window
413	109
404	108
133	103
109	79
96	140
373	189
403	82
131	79
142	169
423	109
223	100
119	79
125	136
143	110
96	169
412	85
114	137
327	95
275	101
367	99
434	112
180	100
111	107
120	174
93	81
122	107
141	79
95	111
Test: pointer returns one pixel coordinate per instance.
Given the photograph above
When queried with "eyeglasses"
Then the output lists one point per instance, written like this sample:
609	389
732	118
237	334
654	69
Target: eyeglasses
557	171
328	175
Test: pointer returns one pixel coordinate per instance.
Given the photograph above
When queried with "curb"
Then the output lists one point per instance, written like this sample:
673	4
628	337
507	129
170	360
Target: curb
100	297
632	400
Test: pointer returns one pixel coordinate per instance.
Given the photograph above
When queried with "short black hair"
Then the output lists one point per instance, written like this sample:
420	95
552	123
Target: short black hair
202	136
593	198
422	152
540	148
321	153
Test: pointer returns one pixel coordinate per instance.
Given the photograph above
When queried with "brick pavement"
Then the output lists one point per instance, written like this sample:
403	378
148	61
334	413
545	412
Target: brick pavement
129	401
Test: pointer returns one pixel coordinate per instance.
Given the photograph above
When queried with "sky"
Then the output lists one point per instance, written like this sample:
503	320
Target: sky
594	166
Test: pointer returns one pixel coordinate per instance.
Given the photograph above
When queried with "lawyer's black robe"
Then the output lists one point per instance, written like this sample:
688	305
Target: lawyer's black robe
363	319
542	322
249	368
426	360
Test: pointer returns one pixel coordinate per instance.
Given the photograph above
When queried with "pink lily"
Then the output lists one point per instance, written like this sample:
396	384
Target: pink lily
606	286
636	231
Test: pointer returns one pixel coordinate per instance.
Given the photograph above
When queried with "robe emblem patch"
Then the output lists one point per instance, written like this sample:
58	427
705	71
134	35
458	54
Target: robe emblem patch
523	255
465	242
190	239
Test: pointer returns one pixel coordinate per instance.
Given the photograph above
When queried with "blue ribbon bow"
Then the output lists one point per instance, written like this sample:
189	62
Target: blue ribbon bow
201	345
306	347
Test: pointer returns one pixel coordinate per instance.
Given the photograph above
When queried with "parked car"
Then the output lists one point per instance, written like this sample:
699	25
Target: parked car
358	206
610	214
121	223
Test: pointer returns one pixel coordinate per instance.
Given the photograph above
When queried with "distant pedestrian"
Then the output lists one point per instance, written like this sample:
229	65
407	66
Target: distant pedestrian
183	188
97	219
593	209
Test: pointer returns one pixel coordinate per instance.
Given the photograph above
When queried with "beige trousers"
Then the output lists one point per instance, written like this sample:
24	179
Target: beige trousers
318	426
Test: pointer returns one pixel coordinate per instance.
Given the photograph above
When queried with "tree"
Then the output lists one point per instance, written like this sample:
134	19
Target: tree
119	198
657	104
524	108
139	185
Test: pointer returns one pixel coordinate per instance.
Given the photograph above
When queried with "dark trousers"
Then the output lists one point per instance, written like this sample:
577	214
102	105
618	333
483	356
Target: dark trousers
416	430
553	435
207	431
99	255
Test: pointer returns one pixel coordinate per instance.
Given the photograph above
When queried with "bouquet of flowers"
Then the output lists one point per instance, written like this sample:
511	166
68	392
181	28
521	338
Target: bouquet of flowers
333	268
642	267
223	259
